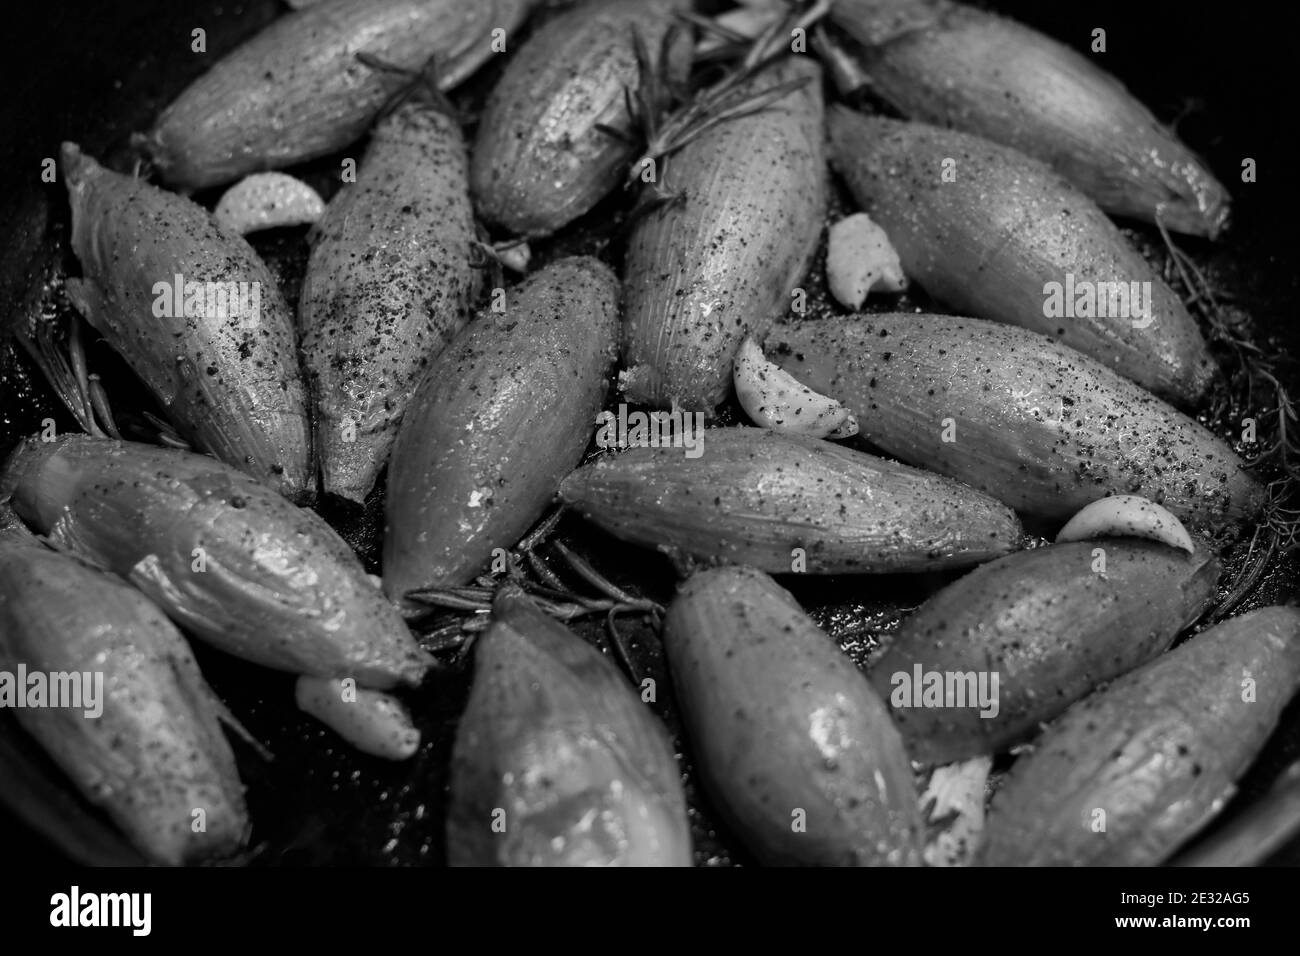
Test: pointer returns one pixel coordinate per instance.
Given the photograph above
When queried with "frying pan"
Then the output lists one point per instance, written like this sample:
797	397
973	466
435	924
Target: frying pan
94	72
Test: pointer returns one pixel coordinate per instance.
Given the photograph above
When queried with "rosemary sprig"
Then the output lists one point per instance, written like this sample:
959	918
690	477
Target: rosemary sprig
659	134
1253	376
472	603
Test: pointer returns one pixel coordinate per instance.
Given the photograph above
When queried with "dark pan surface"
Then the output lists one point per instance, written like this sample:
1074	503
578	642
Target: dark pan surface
95	72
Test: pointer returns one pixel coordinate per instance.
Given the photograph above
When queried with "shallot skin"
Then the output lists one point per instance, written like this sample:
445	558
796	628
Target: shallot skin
1128	774
785	502
154	758
958	66
558	762
540	160
390	280
1052	623
725	259
230	383
499	418
297	90
988	231
225	556
1041	427
792	743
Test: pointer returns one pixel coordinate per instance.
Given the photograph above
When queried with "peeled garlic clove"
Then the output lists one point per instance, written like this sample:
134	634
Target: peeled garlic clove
860	258
774	399
956	790
515	256
1129	516
268	201
374	722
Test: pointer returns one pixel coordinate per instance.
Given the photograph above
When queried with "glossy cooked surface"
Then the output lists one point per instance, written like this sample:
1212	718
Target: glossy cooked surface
499	418
321	802
1158	752
390	280
296	90
958	66
723	261
792	743
1040	426
989	242
229	382
558	761
758	498
224	555
155	752
539	161
1053	623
